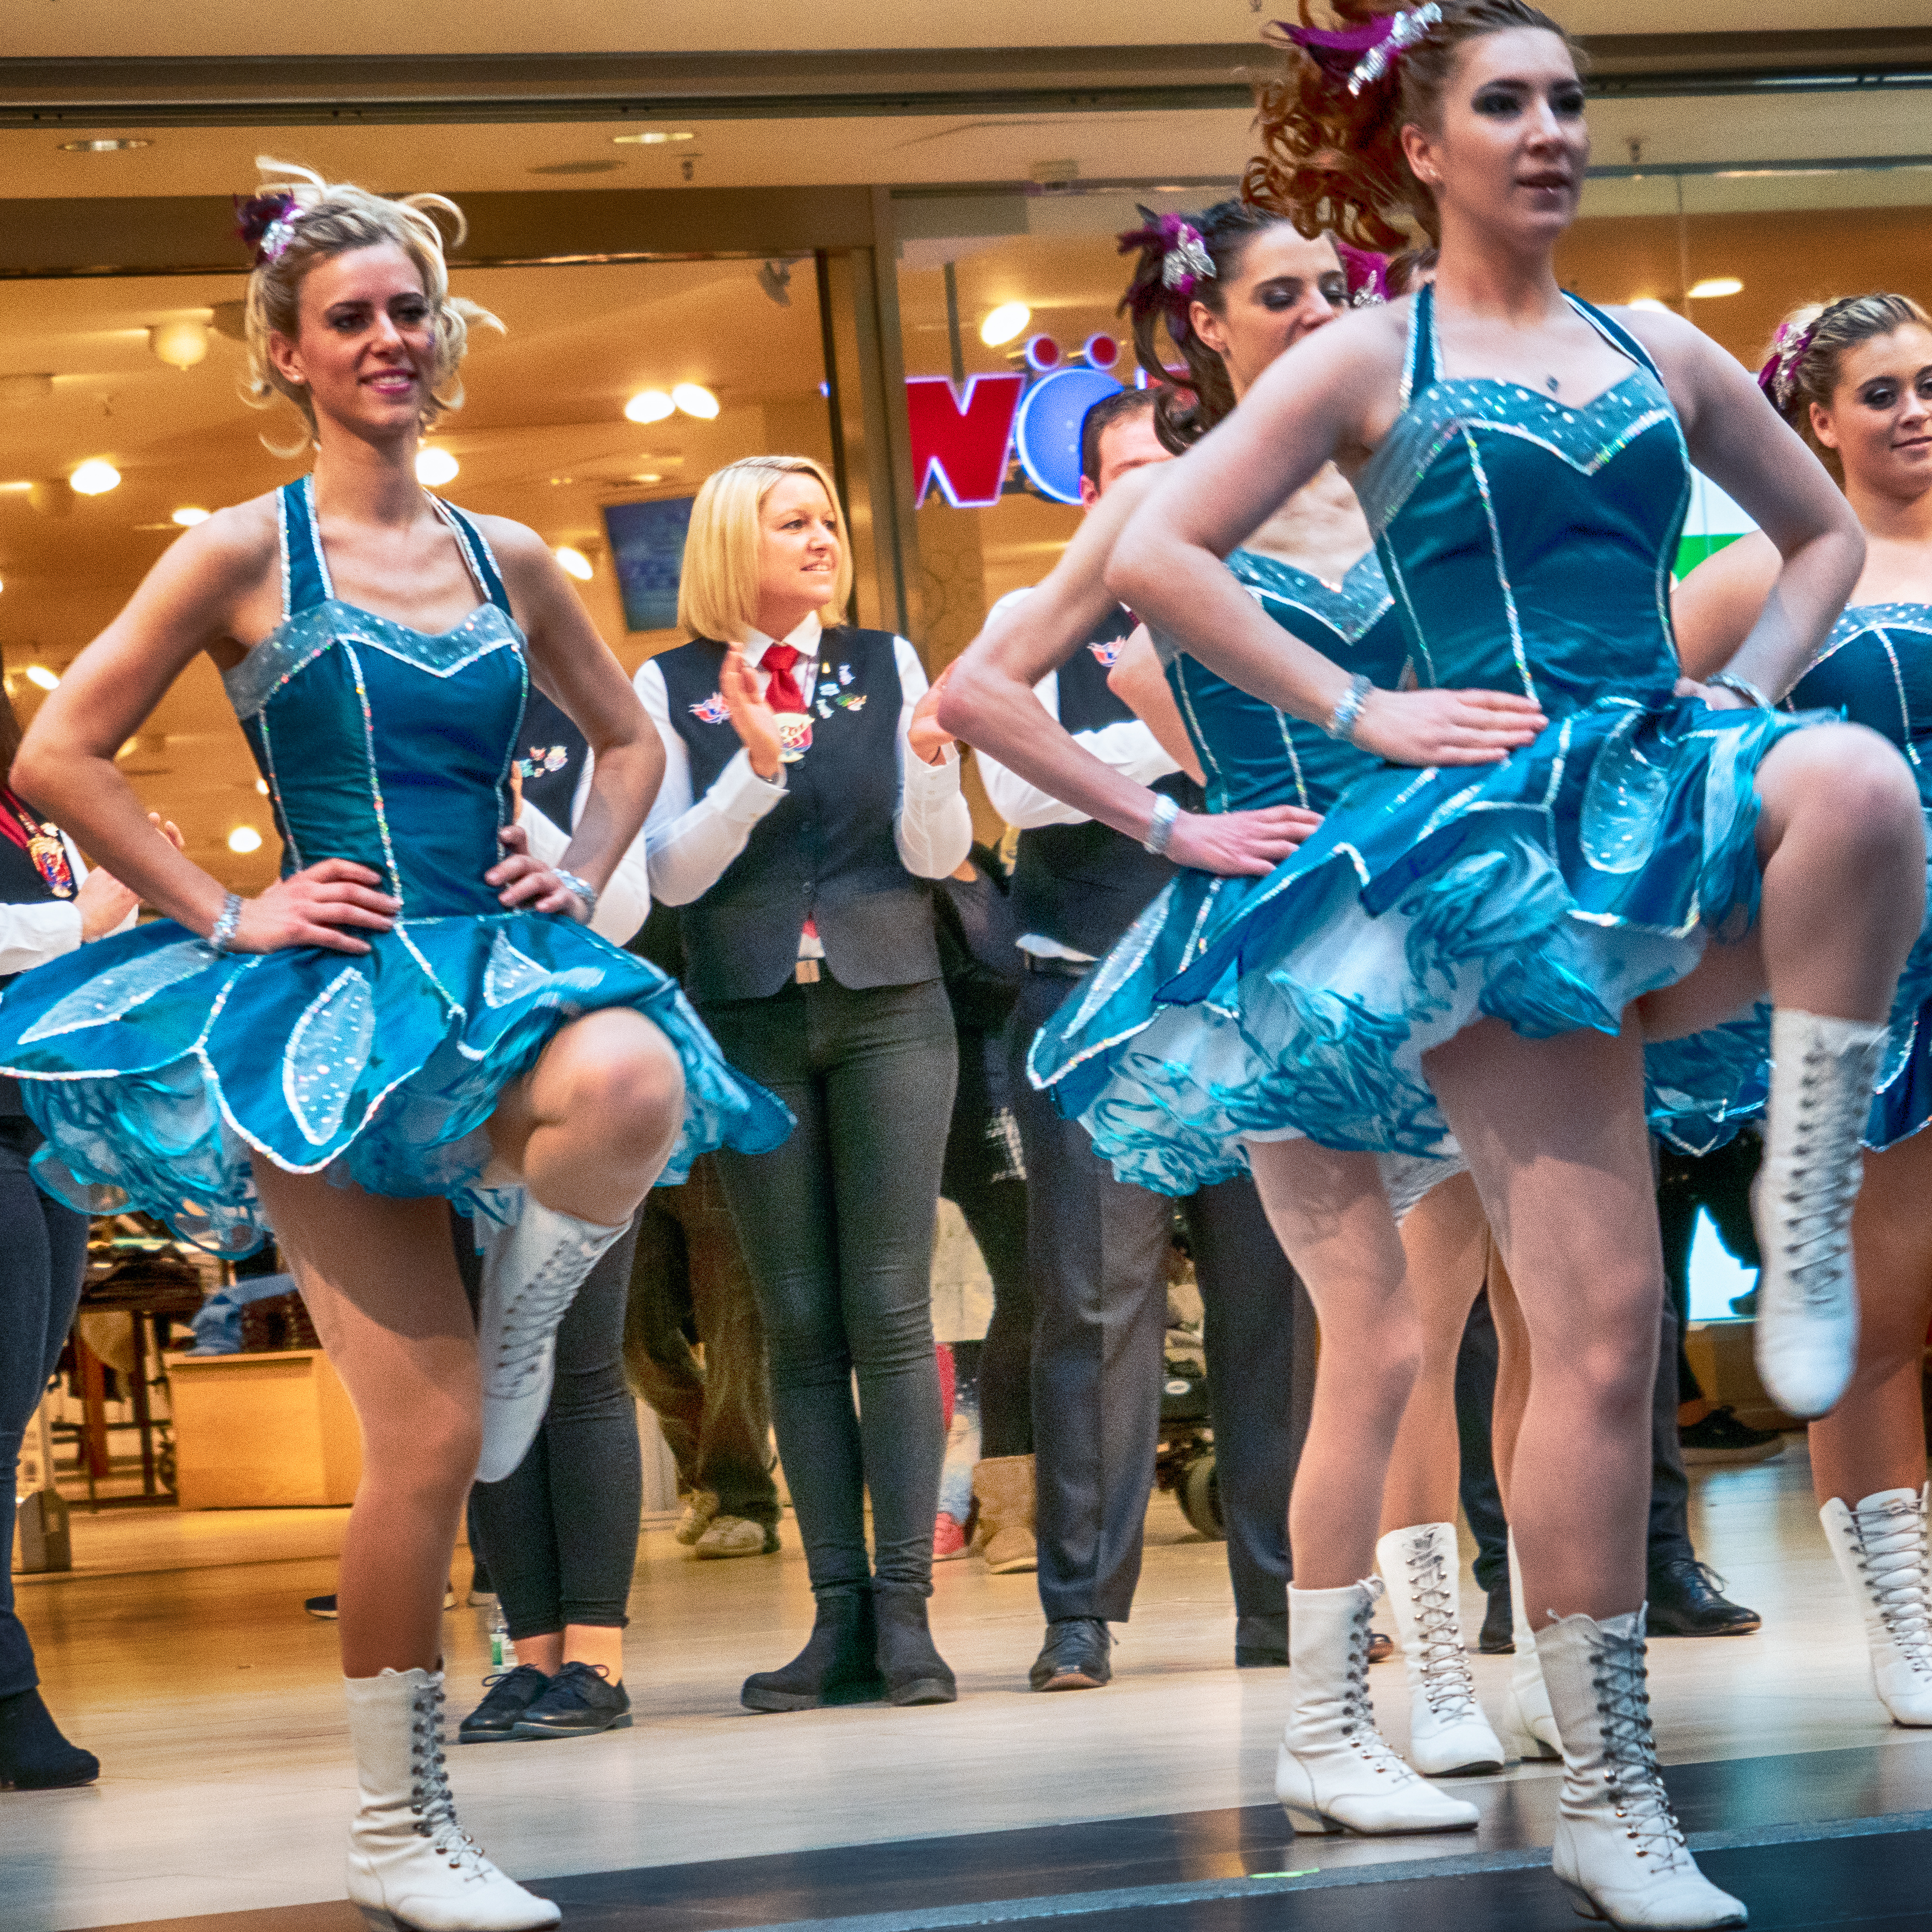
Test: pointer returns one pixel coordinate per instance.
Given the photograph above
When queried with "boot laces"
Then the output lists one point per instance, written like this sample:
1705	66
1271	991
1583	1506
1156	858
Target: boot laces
1891	1553
530	1317
1822	1182
1358	1709
432	1804
1446	1679
1630	1753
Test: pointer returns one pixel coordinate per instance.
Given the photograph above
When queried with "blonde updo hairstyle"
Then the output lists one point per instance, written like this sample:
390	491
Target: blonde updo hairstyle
718	590
1838	328
331	218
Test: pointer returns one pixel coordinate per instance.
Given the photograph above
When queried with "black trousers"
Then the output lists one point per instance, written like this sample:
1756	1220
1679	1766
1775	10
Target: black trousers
836	1226
1097	1253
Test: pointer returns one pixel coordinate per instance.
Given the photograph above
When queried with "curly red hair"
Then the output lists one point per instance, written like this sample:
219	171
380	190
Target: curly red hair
1332	161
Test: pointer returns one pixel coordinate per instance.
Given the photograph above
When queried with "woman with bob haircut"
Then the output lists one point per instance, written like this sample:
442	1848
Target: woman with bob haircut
414	1013
808	797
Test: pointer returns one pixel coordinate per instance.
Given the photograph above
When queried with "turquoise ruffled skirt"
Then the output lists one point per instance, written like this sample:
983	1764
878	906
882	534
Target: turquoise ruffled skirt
157	1069
1548	891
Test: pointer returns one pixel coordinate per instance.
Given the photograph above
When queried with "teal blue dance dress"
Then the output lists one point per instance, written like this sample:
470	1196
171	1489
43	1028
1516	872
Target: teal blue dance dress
1167	1092
1528	545
157	1067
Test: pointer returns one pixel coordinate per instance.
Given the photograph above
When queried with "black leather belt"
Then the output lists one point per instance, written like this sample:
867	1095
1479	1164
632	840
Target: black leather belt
1051	968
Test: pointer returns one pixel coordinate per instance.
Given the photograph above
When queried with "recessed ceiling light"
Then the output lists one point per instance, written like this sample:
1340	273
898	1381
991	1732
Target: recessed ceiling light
188	515
39	674
1713	287
262	786
574	563
696	401
119	145
245	839
649	406
94	477
651	137
647	476
1004	323
435	467
1649	305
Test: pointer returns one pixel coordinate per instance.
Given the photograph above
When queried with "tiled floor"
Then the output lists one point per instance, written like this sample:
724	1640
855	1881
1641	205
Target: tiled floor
212	1701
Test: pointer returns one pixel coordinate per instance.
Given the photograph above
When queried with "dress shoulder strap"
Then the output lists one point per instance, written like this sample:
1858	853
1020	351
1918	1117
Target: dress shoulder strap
477	554
1419	372
305	579
1614	333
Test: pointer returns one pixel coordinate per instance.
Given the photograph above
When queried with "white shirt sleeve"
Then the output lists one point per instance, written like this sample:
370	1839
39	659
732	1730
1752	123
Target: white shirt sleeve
625	904
35	932
932	824
688	842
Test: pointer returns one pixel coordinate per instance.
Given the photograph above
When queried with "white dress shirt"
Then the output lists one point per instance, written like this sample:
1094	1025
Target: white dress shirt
32	931
625	904
689	841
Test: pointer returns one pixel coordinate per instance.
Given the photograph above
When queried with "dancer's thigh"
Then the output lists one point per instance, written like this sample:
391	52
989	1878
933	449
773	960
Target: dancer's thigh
1330	1213
1446	1241
1724	984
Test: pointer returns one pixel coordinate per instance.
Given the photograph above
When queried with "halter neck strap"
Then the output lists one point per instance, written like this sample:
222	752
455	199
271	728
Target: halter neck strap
306	581
1424	365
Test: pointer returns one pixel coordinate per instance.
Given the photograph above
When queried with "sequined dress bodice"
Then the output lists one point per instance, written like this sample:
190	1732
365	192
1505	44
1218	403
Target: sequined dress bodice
1876	667
1528	544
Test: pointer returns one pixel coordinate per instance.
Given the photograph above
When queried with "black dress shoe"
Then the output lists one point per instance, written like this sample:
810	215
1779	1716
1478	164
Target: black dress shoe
507	1696
34	1755
1074	1656
579	1701
1261	1641
1686	1601
838	1665
1497	1637
1721	1439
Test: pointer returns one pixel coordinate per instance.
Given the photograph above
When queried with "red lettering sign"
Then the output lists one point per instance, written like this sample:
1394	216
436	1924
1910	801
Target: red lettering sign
961	443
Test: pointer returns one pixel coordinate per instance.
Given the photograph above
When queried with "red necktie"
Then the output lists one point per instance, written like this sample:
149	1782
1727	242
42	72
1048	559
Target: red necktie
782	694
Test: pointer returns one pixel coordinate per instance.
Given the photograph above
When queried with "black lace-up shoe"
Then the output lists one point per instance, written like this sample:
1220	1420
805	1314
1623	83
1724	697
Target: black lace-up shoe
1721	1439
1687	1600
1497	1637
1074	1656
581	1701
507	1696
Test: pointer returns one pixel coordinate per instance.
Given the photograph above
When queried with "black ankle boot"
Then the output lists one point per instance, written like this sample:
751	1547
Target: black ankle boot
915	1673
839	1665
34	1755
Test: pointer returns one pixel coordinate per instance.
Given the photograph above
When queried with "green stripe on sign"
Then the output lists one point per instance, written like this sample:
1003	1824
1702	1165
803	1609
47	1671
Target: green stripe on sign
1691	551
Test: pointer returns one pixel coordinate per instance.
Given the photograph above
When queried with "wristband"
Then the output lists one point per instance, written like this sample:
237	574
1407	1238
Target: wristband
1725	680
1160	827
578	888
226	924
1342	720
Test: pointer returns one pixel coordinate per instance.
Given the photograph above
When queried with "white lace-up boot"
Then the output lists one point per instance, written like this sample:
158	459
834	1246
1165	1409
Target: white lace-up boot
1880	1547
531	1270
1529	1730
1448	1735
1807	1306
1618	1850
411	1867
1335	1771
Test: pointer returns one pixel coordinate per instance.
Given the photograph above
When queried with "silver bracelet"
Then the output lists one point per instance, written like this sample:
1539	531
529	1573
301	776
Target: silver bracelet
578	888
1342	720
1160	827
226	925
1728	680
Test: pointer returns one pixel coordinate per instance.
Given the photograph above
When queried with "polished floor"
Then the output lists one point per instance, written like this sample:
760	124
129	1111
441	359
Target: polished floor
178	1651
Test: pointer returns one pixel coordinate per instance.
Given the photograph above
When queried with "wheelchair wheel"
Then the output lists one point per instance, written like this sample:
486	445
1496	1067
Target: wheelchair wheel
1200	1497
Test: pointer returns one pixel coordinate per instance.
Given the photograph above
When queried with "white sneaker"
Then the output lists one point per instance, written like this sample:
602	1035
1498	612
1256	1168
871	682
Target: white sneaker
1448	1735
736	1536
1880	1547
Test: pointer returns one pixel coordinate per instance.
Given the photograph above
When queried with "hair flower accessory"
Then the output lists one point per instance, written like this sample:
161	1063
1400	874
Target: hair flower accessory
1188	261
1181	250
1367	273
266	224
1364	54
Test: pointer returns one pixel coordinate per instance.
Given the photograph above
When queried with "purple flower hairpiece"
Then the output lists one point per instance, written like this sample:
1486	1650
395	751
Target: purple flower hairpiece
1185	263
266	224
1362	56
1367	273
1778	378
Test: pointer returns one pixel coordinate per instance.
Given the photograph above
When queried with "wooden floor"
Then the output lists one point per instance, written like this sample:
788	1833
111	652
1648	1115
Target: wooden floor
178	1651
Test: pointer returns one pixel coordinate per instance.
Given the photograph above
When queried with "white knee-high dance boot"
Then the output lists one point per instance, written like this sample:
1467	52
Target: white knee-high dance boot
1448	1735
1335	1771
1618	1850
1529	1730
1880	1546
1823	1072
531	1270
411	1867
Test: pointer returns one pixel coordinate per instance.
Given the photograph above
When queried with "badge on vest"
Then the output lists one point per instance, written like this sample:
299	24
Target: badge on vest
543	760
1109	653
794	735
713	711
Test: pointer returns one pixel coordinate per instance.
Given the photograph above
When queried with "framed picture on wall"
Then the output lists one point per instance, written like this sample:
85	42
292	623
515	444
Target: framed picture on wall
647	550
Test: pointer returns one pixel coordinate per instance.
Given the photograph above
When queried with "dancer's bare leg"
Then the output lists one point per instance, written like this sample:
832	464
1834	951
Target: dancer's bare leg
1332	1218
1447	1243
1553	1131
1512	1395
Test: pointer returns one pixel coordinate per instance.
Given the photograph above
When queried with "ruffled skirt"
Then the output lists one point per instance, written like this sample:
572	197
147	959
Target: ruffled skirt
1548	891
158	1069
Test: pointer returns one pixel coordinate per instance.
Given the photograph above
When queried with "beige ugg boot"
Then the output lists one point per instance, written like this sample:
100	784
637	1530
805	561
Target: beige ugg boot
1003	1487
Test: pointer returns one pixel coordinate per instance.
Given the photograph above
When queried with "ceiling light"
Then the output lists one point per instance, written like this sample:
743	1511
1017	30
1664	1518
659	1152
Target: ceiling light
245	839
119	145
696	401
651	137
435	467
94	477
574	562
1649	305
188	515
649	406
646	476
181	345
262	786
1712	286
1004	323
39	674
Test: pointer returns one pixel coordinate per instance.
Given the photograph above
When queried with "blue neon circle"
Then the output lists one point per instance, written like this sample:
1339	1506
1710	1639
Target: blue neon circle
1046	434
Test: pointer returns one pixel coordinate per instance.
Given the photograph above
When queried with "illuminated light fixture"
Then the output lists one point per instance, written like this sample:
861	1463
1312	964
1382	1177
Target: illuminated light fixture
245	839
1004	323
120	144
574	563
39	674
132	745
435	467
651	137
188	515
1649	305
1714	286
181	345
262	786
94	477
647	476
649	406
694	399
